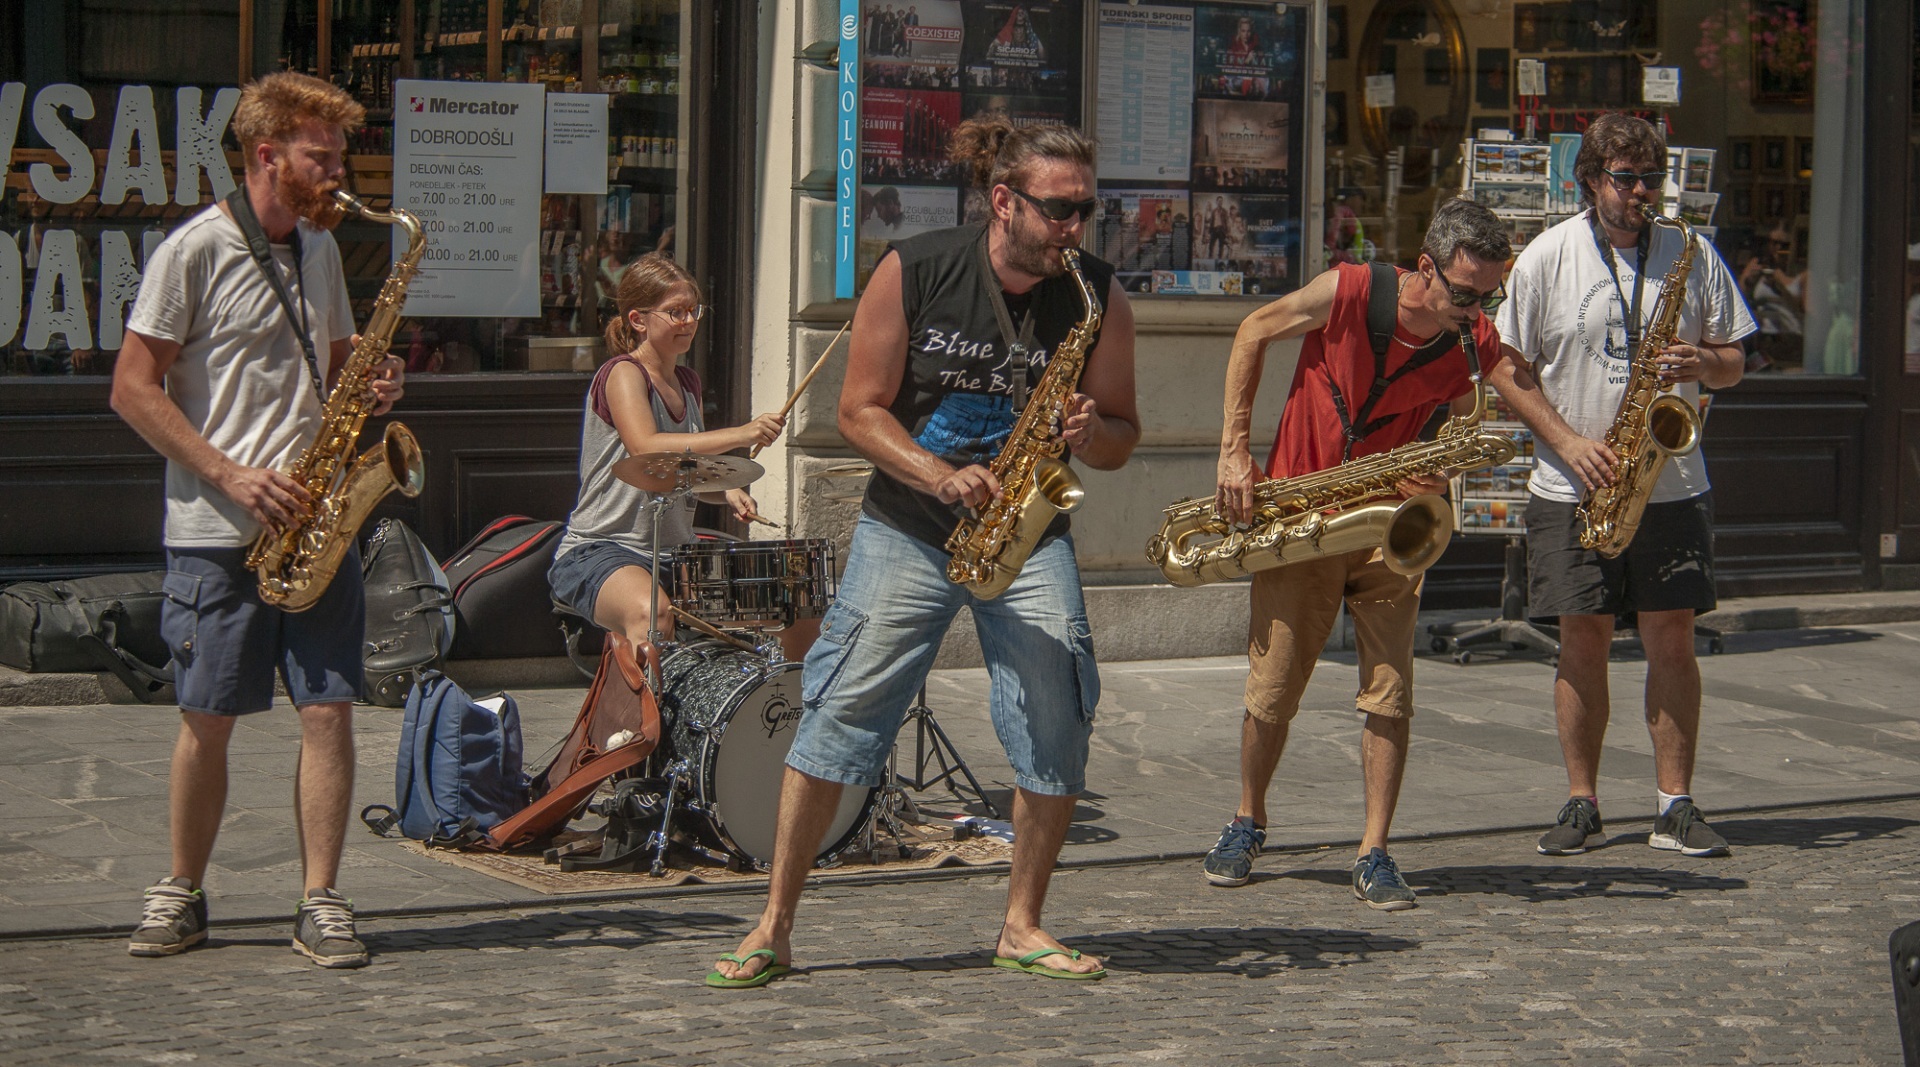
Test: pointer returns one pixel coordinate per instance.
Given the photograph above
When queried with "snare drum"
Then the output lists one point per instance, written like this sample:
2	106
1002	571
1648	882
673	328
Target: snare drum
730	714
754	583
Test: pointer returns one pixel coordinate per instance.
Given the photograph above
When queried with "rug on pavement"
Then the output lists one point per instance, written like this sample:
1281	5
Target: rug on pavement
930	846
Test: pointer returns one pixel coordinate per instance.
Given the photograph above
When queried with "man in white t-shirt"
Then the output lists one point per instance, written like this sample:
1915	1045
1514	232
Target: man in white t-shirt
214	375
1582	296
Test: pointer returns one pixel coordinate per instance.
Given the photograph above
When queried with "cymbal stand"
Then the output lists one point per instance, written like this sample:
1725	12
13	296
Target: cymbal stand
683	477
931	745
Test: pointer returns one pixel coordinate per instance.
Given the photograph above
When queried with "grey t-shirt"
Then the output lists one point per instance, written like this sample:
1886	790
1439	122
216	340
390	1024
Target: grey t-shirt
241	378
610	509
1566	316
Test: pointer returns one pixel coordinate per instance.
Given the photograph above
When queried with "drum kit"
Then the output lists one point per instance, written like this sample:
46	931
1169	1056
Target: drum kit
730	701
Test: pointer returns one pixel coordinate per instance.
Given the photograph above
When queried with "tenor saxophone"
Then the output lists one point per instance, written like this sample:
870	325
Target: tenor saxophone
1653	424
1035	485
1335	510
296	563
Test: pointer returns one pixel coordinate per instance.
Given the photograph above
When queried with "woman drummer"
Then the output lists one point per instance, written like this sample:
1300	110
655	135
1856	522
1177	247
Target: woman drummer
643	401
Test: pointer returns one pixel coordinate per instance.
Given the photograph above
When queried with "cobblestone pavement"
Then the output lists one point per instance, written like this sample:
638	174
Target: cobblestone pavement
1624	955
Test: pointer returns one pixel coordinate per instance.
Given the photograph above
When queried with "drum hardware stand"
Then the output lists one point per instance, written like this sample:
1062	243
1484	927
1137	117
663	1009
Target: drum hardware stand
635	803
931	745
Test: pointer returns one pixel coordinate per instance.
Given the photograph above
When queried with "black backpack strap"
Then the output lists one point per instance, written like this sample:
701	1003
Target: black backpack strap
1383	294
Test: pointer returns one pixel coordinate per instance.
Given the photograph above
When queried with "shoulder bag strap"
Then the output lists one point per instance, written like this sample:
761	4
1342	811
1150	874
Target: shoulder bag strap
262	250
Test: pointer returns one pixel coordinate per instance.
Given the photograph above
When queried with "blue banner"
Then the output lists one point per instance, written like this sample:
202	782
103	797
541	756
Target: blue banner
846	186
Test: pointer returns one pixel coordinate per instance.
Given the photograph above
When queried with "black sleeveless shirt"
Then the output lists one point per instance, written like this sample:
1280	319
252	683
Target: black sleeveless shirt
957	396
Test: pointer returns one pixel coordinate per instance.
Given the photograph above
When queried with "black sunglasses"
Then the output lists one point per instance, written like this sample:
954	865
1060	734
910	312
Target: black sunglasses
1059	209
1462	297
1625	180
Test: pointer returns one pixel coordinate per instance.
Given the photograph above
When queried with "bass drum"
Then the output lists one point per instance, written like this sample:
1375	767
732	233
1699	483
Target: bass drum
730	714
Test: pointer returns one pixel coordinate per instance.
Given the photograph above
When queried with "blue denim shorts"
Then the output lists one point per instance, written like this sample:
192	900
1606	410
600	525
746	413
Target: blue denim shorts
577	575
227	642
878	641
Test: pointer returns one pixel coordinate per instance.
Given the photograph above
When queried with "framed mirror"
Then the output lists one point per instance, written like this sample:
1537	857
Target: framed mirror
1420	43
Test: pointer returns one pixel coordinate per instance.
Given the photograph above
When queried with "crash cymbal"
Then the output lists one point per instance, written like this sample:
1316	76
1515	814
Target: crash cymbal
660	472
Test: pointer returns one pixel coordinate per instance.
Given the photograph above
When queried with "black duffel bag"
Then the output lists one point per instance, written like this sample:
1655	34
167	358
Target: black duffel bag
500	595
409	612
110	622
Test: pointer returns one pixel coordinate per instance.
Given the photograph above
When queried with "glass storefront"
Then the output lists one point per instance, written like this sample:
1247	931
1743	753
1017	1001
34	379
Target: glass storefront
95	179
1767	123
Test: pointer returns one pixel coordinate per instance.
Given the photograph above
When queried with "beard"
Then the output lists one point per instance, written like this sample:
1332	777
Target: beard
310	200
1030	252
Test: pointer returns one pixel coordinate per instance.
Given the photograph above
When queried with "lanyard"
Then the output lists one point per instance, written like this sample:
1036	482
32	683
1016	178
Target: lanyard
1639	279
263	254
1018	341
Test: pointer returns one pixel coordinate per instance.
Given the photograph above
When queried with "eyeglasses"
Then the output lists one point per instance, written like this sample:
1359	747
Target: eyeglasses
1625	180
681	316
1059	209
1462	297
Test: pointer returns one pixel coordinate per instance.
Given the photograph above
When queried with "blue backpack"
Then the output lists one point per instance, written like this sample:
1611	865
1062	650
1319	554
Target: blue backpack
459	771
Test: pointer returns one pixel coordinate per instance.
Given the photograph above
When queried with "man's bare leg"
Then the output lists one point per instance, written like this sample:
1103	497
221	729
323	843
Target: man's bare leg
1261	744
1383	765
197	791
1039	828
323	790
807	808
1673	696
1580	701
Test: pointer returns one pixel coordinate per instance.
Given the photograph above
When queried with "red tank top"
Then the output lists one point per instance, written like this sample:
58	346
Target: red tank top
1311	435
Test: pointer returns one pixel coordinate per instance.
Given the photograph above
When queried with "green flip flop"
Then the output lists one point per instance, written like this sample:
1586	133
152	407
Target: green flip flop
1026	963
766	974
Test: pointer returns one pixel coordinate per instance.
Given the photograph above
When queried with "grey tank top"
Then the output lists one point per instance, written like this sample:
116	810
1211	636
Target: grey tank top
610	509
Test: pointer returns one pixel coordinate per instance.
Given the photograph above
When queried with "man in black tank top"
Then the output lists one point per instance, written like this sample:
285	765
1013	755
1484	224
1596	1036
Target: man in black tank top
954	330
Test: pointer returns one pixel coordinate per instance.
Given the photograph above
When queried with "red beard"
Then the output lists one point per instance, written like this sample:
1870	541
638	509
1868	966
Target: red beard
310	201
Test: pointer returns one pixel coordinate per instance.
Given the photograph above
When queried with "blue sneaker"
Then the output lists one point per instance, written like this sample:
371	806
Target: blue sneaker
1377	881
1230	863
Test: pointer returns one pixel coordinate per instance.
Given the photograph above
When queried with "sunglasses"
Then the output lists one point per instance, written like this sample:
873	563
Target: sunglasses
1059	209
1625	180
681	316
1462	297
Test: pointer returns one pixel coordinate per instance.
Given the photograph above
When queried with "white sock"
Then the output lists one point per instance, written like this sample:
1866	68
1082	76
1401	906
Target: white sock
1667	799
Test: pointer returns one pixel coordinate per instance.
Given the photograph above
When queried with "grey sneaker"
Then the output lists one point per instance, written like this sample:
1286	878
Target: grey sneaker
1230	862
1377	881
323	931
1577	829
173	919
1684	829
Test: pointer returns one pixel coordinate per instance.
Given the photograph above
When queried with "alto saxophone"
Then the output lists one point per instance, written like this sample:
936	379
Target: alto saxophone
1653	424
1035	484
1329	512
295	564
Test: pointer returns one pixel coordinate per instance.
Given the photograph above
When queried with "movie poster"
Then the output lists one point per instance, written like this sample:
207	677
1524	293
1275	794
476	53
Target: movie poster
1256	236
912	46
905	133
1025	110
1023	46
891	212
1241	144
1248	53
1141	231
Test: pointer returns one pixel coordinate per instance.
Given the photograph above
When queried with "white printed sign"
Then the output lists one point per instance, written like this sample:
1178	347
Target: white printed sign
1146	92
466	160
1379	90
1531	77
1660	85
577	143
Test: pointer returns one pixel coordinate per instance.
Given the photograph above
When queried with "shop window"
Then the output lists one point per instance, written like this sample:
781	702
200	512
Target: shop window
1765	138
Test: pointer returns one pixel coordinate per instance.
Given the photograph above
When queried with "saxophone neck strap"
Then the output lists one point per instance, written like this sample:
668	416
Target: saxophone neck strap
1383	316
1607	255
1019	341
262	251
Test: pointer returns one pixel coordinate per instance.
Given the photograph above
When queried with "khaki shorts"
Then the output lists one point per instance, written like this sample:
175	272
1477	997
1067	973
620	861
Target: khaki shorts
1293	613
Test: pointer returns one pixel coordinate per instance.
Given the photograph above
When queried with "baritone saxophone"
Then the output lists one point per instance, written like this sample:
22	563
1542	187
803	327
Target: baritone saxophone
1653	425
296	564
1035	484
1336	510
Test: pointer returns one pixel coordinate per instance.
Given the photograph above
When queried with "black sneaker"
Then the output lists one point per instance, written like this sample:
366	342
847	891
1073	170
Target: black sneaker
1230	862
1684	829
173	919
323	931
1577	829
1377	881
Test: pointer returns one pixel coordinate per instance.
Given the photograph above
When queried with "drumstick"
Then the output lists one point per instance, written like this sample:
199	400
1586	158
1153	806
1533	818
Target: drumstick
707	628
804	382
763	520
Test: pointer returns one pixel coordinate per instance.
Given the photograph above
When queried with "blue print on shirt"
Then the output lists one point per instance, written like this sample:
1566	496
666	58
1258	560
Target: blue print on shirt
970	426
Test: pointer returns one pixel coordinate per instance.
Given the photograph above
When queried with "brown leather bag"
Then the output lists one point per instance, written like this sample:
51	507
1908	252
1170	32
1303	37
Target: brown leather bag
619	701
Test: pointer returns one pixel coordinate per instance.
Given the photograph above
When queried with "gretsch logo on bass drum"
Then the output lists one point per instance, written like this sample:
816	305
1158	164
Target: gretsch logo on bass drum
778	715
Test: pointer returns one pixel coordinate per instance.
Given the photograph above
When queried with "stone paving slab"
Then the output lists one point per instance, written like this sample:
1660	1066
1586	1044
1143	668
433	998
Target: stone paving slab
1621	956
1792	717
